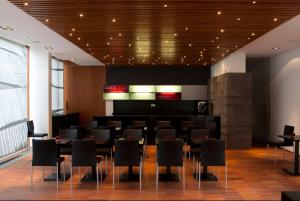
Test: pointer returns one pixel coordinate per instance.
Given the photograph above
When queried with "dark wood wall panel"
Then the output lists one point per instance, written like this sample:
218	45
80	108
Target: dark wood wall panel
83	90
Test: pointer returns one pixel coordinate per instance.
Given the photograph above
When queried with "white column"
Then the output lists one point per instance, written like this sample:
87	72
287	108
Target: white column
40	89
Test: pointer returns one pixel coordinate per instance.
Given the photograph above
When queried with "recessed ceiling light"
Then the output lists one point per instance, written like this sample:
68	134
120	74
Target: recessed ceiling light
186	28
119	34
129	45
166	5
222	30
253	34
108	43
249	38
87	45
78	38
275	48
81	15
275	19
26	4
238	19
73	29
175	34
113	20
46	20
218	46
217	37
236	46
219	12
212	41
190	44
254	2
70	34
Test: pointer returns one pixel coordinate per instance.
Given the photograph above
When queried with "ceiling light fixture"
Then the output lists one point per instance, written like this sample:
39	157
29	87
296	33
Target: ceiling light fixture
275	19
219	12
46	20
113	20
73	29
222	30
70	34
166	5
275	48
253	2
186	28
238	19
26	4
119	34
78	38
81	15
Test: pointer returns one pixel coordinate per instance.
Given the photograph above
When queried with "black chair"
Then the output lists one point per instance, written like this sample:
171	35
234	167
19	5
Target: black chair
116	127
84	155
170	153
290	195
162	124
164	134
185	129
44	154
127	154
105	149
69	133
140	125
133	134
82	131
90	125
32	134
195	149
212	154
287	131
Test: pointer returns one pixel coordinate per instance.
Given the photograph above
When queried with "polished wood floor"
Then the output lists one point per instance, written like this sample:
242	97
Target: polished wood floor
252	175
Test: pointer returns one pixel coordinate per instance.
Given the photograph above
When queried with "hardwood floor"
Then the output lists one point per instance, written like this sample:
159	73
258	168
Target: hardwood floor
252	175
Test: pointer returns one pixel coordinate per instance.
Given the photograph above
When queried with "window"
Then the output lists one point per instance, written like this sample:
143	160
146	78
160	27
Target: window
13	97
57	87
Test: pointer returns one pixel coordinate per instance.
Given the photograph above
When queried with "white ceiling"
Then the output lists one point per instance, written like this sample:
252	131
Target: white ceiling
29	31
286	37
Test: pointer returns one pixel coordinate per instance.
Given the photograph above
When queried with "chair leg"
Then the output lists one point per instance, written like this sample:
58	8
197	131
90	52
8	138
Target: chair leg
275	154
113	176
79	173
101	171
267	149
57	176
111	153
197	171
199	176
31	178
183	176
218	170
140	172
179	171
226	182
64	169
157	175
71	176
193	163
106	164
43	173
97	175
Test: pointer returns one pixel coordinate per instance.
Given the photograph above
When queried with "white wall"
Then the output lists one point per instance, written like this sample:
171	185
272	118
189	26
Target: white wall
285	92
234	63
109	108
39	90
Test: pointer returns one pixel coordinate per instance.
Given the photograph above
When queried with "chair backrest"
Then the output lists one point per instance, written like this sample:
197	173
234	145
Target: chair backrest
166	134
133	134
200	123
163	124
30	127
187	124
211	125
288	130
92	124
200	133
69	133
84	153
170	153
213	152
82	131
101	133
116	124
127	153
138	123
44	152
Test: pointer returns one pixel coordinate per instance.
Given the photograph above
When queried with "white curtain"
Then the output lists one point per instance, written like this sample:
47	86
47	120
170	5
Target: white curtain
57	87
13	97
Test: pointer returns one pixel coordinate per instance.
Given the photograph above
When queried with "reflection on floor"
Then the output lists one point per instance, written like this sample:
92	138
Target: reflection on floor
252	175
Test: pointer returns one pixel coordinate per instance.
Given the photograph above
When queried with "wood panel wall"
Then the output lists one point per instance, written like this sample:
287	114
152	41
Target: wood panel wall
83	86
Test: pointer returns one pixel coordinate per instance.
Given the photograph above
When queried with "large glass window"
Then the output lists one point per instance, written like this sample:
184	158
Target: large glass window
13	97
57	87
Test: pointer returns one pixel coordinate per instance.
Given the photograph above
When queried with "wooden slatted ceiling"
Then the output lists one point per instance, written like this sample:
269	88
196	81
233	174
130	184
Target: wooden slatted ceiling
156	31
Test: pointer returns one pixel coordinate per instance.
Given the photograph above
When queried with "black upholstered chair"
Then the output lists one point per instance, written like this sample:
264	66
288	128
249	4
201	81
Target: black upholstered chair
69	133
133	134
84	155
82	131
140	125
170	153
44	154
164	134
105	149
116	127
287	131
195	149
127	154
185	129
90	125
212	154
32	134
162	124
